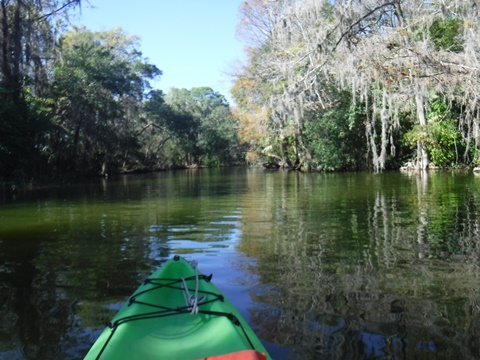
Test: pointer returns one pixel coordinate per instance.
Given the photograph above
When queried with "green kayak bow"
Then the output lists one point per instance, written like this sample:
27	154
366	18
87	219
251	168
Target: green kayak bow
177	313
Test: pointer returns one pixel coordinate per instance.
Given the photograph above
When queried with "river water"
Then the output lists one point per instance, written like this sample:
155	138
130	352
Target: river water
322	266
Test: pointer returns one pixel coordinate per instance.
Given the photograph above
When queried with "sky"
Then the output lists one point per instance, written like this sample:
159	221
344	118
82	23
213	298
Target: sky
193	42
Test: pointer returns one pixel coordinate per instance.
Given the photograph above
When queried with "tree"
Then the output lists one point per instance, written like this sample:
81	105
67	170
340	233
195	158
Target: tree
186	123
285	68
394	57
99	83
162	133
252	119
441	137
27	36
336	137
205	129
218	140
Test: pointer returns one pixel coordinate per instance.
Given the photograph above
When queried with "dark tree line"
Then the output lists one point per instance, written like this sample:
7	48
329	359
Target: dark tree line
27	38
73	101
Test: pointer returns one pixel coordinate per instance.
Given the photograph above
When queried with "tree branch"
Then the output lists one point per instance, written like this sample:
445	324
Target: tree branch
151	124
57	10
357	22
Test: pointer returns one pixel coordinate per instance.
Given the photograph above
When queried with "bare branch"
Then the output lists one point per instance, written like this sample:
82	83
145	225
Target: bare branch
56	11
151	124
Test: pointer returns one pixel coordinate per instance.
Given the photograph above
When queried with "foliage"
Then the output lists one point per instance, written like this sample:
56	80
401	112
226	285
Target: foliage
73	101
441	136
326	85
27	33
336	138
99	83
156	134
16	142
446	34
391	57
443	142
207	131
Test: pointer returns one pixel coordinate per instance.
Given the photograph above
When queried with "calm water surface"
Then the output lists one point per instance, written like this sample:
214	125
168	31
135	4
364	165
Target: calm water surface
323	266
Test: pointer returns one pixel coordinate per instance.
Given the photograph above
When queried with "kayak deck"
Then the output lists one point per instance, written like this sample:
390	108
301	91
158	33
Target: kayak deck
177	313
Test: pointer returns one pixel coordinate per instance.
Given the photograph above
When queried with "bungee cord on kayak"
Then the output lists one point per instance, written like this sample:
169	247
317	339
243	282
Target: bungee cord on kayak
190	300
195	302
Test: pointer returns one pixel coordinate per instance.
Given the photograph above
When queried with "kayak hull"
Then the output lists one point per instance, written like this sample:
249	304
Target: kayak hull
160	320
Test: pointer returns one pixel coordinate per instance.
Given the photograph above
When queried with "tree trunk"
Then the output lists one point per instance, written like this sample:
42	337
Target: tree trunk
17	53
104	172
6	73
422	154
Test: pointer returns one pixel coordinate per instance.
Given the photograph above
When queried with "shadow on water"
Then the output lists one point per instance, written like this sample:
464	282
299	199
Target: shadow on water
323	266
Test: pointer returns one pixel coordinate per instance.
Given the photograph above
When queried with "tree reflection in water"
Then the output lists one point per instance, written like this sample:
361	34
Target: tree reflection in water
391	273
340	266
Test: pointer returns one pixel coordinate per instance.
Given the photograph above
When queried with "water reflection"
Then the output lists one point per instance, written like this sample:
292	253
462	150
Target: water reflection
384	267
332	266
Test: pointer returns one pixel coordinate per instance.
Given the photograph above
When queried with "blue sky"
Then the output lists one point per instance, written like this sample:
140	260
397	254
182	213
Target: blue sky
192	41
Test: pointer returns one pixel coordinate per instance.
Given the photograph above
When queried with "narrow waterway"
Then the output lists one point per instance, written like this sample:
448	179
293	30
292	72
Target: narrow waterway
323	266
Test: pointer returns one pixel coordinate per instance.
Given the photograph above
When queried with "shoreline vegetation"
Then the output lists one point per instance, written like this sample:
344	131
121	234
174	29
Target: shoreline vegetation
13	186
369	86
